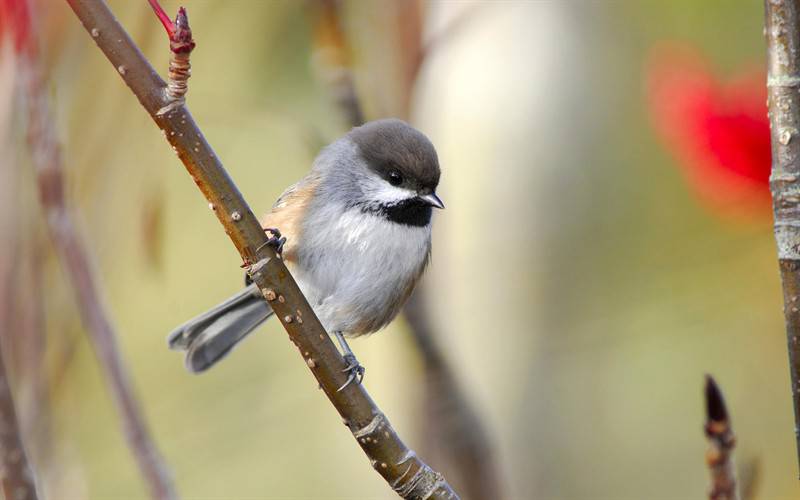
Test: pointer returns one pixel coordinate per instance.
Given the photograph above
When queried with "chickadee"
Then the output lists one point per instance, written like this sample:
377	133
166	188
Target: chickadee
355	234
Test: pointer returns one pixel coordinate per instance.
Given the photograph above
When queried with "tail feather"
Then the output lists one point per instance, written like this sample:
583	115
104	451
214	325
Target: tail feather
210	336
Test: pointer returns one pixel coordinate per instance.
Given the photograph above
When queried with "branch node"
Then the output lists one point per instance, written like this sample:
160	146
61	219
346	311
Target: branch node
181	44
171	106
423	484
378	421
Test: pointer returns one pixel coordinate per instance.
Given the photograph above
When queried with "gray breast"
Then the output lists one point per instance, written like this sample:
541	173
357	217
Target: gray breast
358	268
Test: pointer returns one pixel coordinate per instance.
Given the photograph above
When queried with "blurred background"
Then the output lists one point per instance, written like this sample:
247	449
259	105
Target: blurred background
607	241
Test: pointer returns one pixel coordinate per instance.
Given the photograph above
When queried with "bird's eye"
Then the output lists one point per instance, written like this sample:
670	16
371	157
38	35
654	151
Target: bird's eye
395	179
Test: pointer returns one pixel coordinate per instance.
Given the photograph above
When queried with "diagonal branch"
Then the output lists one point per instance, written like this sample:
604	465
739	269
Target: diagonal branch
783	82
407	474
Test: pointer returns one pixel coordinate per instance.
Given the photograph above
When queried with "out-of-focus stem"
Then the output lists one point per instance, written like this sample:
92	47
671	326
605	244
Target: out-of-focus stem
16	476
74	256
783	82
721	442
405	472
332	60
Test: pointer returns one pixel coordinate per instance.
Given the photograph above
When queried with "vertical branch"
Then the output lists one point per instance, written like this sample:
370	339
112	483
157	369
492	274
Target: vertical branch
24	341
17	477
721	442
783	81
74	257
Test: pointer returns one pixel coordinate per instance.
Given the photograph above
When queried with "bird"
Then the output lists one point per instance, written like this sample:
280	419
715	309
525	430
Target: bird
355	233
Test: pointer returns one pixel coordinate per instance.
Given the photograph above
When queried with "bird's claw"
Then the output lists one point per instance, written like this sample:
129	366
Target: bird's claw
276	240
354	369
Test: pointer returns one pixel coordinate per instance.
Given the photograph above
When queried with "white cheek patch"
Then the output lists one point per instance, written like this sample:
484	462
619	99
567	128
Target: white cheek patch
383	193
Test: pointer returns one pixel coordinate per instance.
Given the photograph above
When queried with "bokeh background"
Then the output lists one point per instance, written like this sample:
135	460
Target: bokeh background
607	241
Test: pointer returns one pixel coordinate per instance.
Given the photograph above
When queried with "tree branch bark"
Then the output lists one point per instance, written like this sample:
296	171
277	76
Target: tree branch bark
783	82
406	473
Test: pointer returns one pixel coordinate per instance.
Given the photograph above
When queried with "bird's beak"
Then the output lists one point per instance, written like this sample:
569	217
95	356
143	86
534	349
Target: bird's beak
433	200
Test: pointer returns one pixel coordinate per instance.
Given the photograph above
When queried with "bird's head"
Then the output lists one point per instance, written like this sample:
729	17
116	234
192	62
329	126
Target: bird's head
391	170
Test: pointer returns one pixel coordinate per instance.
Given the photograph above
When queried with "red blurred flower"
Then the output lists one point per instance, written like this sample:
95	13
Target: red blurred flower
15	23
717	130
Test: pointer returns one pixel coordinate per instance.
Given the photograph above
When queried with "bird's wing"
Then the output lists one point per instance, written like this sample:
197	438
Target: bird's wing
287	214
287	194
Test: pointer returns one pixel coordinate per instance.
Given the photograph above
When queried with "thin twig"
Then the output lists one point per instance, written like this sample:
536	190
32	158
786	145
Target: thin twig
74	256
721	442
406	473
181	45
783	81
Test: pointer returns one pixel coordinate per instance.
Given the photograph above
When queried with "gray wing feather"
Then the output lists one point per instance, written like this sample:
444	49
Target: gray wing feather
210	336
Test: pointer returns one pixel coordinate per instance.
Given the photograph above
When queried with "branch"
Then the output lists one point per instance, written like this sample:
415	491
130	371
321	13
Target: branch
409	476
721	440
72	252
17	476
783	82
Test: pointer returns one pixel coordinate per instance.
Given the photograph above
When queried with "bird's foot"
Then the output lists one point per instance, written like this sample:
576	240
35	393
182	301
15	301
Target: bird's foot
276	240
354	369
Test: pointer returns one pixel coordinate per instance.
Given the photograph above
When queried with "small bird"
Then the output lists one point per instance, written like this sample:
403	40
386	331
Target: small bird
355	233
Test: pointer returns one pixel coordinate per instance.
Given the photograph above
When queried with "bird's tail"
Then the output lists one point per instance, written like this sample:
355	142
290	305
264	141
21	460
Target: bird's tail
210	336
